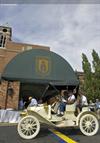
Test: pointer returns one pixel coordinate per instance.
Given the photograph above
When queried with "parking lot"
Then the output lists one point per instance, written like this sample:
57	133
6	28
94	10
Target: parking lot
8	134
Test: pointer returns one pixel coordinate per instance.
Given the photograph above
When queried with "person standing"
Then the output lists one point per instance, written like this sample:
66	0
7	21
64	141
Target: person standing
97	105
21	104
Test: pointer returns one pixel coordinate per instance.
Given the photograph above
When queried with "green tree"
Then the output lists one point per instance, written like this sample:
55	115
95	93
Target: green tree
91	84
96	74
87	86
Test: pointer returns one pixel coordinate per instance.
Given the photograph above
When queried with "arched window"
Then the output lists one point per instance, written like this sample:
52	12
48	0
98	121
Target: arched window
2	40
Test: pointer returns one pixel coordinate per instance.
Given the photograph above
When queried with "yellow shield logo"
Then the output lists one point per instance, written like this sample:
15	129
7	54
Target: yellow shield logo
43	65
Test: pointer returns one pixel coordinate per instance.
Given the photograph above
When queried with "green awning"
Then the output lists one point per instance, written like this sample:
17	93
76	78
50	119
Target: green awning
40	66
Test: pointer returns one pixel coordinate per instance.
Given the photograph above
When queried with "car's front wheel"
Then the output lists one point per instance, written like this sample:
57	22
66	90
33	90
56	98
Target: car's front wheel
28	127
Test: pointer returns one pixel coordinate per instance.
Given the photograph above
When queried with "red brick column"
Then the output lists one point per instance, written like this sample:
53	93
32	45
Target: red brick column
12	100
3	91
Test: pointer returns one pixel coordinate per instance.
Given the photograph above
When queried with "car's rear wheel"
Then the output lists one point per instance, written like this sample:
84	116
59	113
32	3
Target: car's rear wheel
28	127
89	124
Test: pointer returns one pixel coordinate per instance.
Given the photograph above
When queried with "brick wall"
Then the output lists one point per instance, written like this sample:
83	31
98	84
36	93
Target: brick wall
6	100
12	101
20	47
12	49
3	90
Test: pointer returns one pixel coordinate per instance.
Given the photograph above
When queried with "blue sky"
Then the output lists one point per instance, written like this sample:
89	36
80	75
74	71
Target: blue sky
68	29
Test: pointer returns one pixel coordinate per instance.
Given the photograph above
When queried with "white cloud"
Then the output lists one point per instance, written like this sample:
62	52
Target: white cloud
68	29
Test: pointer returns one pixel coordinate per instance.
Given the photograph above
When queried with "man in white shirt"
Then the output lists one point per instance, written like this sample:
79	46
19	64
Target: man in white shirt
84	100
33	102
81	101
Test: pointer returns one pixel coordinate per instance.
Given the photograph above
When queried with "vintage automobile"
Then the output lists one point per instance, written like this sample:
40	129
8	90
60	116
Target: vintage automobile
29	125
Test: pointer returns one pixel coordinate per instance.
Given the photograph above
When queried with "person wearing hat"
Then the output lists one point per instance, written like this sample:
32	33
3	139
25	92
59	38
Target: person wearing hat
33	101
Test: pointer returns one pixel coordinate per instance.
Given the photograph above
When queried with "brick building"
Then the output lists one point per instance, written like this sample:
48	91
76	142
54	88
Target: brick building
10	91
81	77
8	50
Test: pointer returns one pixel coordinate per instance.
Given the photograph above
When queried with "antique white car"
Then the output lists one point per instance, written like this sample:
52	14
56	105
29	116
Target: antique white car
29	125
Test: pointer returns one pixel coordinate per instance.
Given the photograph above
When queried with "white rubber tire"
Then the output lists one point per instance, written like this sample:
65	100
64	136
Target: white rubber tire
89	124
28	127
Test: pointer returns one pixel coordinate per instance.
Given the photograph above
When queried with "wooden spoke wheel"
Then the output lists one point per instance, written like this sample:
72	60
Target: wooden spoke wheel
89	124
28	127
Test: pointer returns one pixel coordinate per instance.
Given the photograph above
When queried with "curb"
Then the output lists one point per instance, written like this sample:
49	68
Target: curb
8	124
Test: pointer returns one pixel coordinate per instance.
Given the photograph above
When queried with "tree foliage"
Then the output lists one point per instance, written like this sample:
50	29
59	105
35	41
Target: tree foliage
96	73
91	84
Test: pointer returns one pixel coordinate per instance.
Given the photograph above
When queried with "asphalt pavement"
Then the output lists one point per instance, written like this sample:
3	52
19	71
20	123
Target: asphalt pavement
8	134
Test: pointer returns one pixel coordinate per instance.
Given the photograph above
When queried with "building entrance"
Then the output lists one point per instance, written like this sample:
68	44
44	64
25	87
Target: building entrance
30	89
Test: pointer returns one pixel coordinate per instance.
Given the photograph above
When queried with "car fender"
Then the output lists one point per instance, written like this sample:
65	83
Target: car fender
40	118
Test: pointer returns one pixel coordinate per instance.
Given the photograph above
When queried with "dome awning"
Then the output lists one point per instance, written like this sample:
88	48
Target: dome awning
40	66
